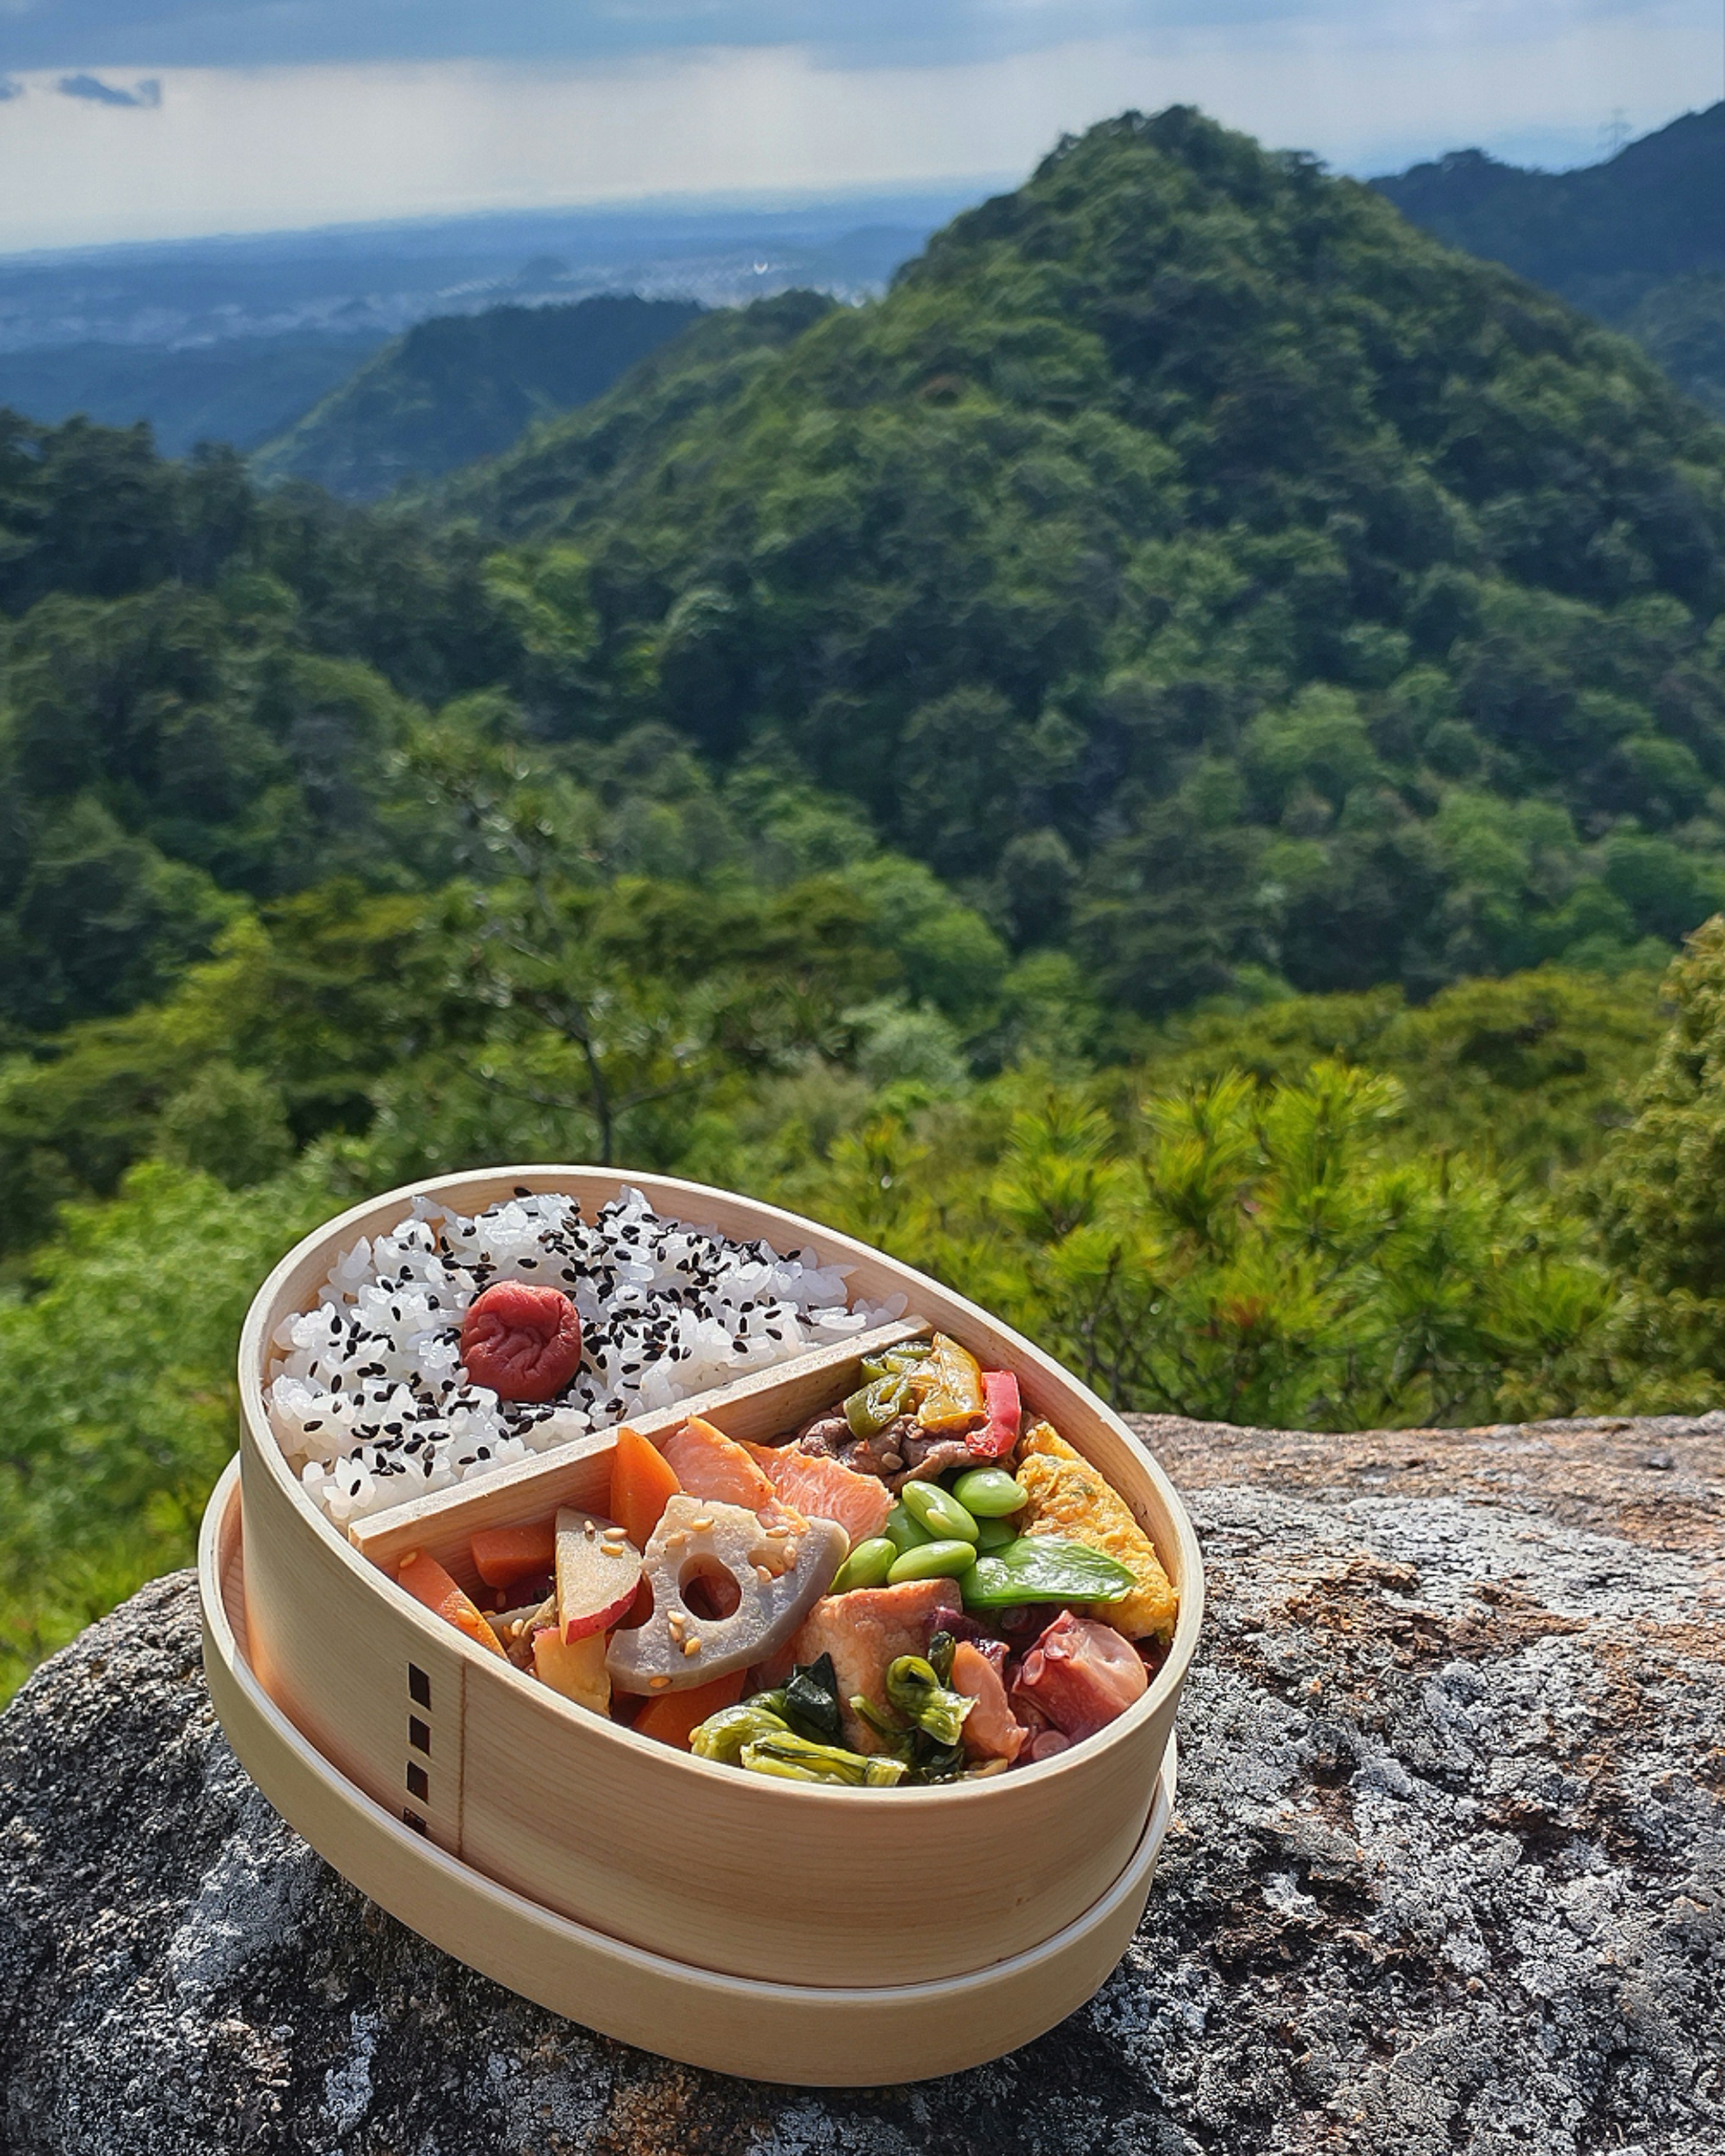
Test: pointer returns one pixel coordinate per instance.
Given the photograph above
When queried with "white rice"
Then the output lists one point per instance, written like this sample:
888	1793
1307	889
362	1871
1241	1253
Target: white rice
369	1395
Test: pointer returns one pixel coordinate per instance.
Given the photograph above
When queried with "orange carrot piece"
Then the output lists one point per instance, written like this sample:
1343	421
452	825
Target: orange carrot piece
642	1483
674	1717
501	1556
426	1581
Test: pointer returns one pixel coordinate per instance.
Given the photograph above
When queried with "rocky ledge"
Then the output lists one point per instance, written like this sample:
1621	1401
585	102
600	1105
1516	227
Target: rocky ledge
1448	1870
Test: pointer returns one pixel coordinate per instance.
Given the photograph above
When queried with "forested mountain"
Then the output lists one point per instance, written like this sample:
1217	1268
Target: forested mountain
241	390
462	386
1149	771
1199	566
1638	240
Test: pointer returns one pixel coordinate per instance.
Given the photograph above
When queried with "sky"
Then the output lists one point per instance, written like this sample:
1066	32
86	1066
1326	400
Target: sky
126	120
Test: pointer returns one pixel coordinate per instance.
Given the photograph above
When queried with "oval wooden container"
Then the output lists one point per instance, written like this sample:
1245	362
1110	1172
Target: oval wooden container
776	1881
818	2036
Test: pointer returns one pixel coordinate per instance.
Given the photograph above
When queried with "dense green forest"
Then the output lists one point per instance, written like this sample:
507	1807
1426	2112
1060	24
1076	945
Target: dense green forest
460	387
1157	771
1638	240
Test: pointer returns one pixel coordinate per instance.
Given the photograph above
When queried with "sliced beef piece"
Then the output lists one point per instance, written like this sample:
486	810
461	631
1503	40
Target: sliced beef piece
903	1452
927	1454
828	1437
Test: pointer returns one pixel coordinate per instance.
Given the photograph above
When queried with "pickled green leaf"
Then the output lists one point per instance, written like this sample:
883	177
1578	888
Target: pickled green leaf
723	1735
918	1694
793	1758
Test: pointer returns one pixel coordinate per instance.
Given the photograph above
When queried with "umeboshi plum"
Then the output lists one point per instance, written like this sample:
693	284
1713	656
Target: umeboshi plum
522	1339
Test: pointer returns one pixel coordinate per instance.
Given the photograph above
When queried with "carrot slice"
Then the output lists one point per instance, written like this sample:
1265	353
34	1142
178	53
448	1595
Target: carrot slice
501	1556
642	1483
674	1717
426	1581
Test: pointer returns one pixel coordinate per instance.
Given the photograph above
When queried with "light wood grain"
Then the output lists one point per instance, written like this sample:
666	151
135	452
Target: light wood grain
815	2035
673	1855
763	1405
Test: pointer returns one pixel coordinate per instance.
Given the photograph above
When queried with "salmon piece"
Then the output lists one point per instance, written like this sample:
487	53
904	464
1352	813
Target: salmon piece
991	1731
715	1468
826	1490
864	1632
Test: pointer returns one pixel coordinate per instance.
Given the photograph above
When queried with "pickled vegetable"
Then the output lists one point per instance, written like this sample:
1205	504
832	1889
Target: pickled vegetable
953	1402
999	1434
723	1735
795	1759
913	1688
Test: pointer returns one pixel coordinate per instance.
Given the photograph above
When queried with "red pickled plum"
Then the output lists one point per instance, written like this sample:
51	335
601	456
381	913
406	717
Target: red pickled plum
1080	1675
522	1340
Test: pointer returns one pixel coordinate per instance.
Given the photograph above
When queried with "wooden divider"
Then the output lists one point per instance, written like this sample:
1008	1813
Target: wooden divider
765	1405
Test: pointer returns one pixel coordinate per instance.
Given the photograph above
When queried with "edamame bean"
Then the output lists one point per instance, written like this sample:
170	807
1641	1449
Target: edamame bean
903	1532
994	1534
938	1510
990	1493
940	1560
867	1565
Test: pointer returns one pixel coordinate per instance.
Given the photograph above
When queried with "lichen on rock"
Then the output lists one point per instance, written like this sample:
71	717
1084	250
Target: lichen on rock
1447	1871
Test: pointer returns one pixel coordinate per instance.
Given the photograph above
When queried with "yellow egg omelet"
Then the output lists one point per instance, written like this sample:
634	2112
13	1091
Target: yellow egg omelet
1069	1497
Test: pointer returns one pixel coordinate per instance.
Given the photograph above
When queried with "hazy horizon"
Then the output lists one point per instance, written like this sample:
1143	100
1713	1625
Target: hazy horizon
147	121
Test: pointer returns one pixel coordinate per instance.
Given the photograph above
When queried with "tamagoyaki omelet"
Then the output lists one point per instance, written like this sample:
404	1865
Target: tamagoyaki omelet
1069	1497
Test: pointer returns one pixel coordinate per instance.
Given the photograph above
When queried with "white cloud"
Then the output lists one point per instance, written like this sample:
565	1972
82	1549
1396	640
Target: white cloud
248	150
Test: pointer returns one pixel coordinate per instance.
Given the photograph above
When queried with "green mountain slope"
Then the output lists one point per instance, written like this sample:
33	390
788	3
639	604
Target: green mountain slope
1638	240
242	390
460	387
1206	570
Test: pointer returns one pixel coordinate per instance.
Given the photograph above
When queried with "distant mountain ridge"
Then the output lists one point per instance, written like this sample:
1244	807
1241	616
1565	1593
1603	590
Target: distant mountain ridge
463	387
233	339
1638	240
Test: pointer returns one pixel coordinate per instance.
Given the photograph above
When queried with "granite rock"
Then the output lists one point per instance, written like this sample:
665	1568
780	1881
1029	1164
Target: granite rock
1447	1871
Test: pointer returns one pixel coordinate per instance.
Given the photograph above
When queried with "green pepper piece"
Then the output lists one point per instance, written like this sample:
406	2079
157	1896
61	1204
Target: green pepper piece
872	1407
1044	1568
895	1362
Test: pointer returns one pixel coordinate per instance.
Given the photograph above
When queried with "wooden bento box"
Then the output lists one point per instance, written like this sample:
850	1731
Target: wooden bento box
792	1931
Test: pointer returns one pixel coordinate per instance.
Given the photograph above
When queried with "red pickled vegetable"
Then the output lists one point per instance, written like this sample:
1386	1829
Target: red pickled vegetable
521	1340
1000	1432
